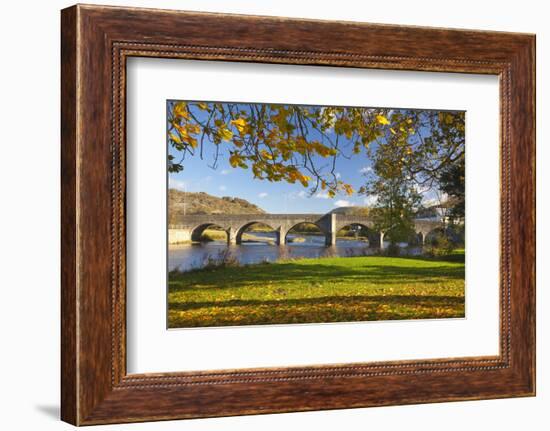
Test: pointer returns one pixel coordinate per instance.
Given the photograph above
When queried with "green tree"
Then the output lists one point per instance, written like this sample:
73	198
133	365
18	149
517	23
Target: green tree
397	202
451	181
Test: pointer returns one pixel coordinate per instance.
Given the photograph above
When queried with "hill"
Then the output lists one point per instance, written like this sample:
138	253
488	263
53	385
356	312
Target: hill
180	203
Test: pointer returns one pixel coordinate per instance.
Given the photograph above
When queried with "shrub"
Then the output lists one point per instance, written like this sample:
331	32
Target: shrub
440	245
392	249
223	259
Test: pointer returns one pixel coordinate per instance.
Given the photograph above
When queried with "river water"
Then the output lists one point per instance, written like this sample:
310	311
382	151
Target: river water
260	248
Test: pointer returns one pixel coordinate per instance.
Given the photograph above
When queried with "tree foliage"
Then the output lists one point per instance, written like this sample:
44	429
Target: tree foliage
296	144
408	149
424	156
452	182
396	206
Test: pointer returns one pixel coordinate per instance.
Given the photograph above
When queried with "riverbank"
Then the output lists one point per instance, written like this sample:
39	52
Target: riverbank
334	289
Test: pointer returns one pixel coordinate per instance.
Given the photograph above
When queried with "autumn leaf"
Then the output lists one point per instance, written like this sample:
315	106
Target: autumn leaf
382	120
266	155
193	128
240	124
225	133
180	110
234	160
175	138
348	189
304	180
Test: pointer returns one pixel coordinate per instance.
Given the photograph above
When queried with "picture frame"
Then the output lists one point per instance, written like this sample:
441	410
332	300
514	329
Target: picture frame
96	42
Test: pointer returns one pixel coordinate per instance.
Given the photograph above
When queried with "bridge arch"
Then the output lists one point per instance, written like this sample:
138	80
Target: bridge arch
196	232
427	236
241	230
362	226
373	236
320	228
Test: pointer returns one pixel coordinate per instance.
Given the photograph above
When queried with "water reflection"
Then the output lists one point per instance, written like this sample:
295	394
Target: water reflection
261	247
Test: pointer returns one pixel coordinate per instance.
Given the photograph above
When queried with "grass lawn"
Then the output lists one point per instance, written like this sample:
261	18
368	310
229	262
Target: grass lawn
319	290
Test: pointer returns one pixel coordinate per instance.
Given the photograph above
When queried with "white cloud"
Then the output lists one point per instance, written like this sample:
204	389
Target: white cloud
370	200
343	203
176	184
223	188
295	195
322	195
225	171
337	175
365	170
262	195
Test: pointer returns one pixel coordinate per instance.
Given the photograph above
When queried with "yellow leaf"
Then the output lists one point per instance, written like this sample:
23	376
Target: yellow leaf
304	179
225	134
348	189
266	155
184	135
234	160
240	124
203	106
393	131
193	128
175	138
382	120
180	110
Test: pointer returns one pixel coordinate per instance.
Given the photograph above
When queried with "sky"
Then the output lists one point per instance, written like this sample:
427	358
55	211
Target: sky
273	197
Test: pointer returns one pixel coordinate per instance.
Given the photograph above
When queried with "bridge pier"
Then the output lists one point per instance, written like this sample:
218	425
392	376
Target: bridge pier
330	238
421	238
280	238
178	235
232	237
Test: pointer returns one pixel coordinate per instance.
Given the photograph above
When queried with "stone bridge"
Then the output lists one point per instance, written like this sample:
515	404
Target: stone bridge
191	227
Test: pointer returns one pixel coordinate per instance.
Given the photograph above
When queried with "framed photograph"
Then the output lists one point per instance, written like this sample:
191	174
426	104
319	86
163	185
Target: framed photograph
266	215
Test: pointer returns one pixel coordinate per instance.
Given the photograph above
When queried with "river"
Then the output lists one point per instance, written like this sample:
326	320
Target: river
260	248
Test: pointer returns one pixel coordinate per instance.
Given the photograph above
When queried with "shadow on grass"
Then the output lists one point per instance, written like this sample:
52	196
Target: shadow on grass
230	278
393	301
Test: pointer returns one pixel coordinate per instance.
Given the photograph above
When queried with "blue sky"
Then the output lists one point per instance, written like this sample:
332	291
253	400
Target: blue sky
273	197
276	197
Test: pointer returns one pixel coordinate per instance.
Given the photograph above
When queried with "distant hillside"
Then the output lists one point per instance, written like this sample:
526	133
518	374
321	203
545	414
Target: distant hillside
202	203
